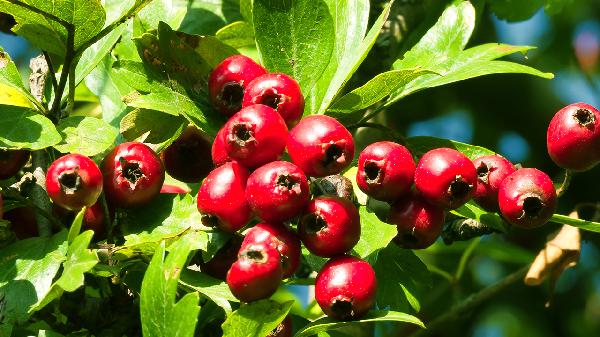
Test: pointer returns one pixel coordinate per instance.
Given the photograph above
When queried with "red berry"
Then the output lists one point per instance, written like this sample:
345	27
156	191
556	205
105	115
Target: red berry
446	177
491	170
186	158
527	198
22	222
93	219
227	82
385	171
74	181
255	136
330	226
221	198
345	288
281	238
218	152
133	175
280	92
320	146
256	274
218	266
277	191
419	223
11	161
283	329
573	137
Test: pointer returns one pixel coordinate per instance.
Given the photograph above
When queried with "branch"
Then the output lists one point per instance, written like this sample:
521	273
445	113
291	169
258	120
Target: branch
52	72
69	58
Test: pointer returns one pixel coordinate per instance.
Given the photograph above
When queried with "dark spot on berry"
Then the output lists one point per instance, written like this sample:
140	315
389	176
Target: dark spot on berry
242	133
314	222
69	181
343	309
459	189
131	170
232	94
373	172
270	98
287	181
532	206
332	154
209	220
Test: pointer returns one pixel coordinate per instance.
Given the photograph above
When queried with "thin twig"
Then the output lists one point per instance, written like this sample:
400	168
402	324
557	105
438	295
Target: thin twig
69	58
52	73
565	183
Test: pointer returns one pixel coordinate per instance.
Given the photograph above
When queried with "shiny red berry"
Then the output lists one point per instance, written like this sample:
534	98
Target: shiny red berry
281	238
133	175
218	266
491	170
345	288
74	181
320	146
419	223
218	151
277	191
385	171
255	136
283	329
93	219
280	92
11	161
573	137
256	274
330	226
227	82
446	177
527	198
221	198
186	158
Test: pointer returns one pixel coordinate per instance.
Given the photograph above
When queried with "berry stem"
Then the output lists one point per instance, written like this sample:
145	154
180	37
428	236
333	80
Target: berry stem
565	183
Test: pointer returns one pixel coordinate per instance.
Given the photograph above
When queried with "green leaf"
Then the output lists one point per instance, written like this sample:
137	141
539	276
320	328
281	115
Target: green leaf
93	55
88	136
217	290
326	323
168	11
25	128
360	195
374	235
295	37
139	125
12	90
161	316
515	10
27	268
104	83
255	319
473	211
206	17
582	224
421	144
401	279
238	34
75	228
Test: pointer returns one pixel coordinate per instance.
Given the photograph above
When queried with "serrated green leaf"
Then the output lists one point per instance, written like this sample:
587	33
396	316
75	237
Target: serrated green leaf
109	88
169	11
326	323
88	136
93	55
12	90
374	235
217	290
25	128
255	319
295	37
139	125
238	34
421	144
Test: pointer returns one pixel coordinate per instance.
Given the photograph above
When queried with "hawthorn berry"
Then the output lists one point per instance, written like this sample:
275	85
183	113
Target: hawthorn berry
256	274
281	238
280	92
283	329
320	146
446	177
133	175
11	161
74	181
419	223
228	81
255	136
186	158
573	137
93	219
277	191
385	171
222	200
218	152
345	288
330	226
218	266
527	198
491	170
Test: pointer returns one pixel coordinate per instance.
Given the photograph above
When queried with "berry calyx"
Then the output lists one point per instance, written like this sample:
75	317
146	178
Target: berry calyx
277	191
419	223
491	171
527	198
320	146
330	226
74	181
185	158
446	178
11	161
345	288
385	171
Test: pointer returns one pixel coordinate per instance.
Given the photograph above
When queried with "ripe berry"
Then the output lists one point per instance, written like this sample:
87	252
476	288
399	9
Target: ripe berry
573	137
133	175
74	181
283	329
281	238
218	152
385	171
419	223
256	274
221	198
527	198
277	191
491	170
255	136
330	226
218	266
446	177
345	288
280	92
93	219
11	161
22	222
186	158
227	82
320	146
